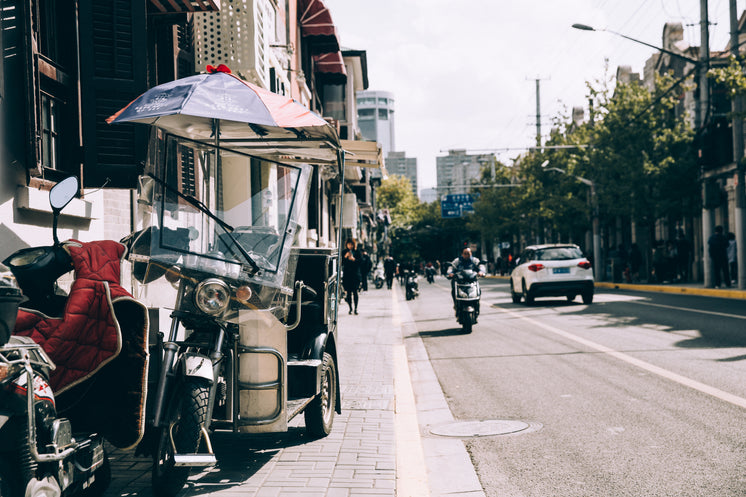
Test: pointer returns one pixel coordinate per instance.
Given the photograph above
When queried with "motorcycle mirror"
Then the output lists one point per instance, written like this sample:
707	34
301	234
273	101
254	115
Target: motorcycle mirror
59	196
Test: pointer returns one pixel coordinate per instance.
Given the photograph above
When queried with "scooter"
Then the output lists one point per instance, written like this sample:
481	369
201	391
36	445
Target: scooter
412	288
77	355
468	294
378	277
430	274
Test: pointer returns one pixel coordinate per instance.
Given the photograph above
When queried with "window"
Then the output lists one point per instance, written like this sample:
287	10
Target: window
383	114
50	120
366	113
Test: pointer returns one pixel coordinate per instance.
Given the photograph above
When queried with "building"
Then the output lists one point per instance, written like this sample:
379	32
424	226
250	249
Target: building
458	170
428	195
375	111
398	163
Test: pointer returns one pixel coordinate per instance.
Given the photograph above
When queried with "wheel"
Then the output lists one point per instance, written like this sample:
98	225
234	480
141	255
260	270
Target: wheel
467	324
410	296
319	415
571	297
10	479
187	413
513	295
588	297
527	297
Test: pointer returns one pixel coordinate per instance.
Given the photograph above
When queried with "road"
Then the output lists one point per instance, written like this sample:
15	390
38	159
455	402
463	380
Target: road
639	394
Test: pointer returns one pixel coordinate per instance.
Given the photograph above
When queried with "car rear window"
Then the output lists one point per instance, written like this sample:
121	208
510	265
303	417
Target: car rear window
559	254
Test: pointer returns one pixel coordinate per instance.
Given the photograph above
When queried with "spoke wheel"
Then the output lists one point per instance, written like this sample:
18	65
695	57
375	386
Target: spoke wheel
319	415
187	413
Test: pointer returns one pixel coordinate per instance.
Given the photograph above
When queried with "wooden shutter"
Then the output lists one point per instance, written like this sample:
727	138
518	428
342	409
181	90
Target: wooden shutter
113	72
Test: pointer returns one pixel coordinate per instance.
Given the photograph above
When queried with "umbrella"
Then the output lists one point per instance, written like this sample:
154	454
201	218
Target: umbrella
198	106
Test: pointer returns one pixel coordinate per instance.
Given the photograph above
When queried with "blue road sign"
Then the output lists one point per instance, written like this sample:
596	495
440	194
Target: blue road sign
456	205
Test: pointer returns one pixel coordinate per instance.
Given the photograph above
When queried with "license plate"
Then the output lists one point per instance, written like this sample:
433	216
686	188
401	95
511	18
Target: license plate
561	270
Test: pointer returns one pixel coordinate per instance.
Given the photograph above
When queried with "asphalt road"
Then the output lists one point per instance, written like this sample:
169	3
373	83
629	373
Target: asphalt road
639	394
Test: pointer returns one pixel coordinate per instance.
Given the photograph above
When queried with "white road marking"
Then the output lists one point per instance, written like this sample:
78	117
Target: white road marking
713	313
664	373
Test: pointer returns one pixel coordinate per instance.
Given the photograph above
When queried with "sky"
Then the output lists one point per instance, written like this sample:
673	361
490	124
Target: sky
463	72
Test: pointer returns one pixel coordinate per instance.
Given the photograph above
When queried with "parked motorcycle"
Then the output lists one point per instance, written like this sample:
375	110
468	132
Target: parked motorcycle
411	287
468	293
378	277
83	353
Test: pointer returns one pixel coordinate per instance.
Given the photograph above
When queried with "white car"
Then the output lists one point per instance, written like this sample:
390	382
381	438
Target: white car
552	271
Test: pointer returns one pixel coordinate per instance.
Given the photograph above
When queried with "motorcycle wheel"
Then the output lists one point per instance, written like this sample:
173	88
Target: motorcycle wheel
188	412
10	484
467	324
319	415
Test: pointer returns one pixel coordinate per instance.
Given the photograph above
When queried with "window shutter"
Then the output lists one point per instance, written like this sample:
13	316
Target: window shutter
113	72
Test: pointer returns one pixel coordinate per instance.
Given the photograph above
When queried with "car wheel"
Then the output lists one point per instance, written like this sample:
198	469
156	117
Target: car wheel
527	297
513	295
588	297
571	297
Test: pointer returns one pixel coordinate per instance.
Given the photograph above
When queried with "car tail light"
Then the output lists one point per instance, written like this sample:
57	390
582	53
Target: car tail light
535	267
584	264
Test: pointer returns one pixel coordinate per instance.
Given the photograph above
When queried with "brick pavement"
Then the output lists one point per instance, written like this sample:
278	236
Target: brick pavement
357	459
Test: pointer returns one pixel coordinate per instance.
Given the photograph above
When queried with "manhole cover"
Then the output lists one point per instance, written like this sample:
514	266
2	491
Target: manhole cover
488	428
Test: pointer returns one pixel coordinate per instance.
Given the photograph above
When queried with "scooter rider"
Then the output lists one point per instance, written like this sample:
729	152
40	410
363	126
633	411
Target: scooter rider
463	262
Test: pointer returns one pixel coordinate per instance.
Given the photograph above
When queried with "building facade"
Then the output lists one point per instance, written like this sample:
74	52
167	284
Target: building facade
457	171
398	163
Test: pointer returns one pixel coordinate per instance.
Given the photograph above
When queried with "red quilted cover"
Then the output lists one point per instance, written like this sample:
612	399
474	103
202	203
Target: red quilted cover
87	336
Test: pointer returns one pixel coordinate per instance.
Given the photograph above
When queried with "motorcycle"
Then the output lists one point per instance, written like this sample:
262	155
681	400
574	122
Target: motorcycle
252	333
430	274
70	355
378	277
411	286
468	293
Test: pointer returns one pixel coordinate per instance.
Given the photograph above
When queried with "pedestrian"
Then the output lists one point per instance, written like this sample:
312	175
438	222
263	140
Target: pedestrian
718	247
635	262
351	274
389	270
365	266
683	255
732	257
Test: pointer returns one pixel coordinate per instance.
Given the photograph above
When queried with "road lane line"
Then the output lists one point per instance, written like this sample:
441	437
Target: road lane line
664	373
411	472
713	313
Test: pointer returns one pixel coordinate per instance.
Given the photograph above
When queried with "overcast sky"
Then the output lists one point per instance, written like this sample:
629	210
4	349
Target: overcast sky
463	72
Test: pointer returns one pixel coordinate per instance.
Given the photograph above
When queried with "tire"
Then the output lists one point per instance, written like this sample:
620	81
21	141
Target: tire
513	295
467	324
588	297
527	297
187	413
10	480
319	415
571	297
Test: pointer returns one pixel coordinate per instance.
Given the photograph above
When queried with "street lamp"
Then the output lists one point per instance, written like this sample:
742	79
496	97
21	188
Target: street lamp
595	218
585	27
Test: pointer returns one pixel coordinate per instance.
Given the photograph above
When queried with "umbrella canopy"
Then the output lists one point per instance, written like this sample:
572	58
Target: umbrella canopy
194	107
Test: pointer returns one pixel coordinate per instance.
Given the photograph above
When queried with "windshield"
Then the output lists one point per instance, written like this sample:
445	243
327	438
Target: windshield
221	210
559	254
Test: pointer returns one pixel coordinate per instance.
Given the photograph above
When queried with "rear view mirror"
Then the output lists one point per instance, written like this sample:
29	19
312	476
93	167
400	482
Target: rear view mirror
63	192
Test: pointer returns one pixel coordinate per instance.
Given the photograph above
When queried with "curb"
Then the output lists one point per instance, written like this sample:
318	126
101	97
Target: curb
706	292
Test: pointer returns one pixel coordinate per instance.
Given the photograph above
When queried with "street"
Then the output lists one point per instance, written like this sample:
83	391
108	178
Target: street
639	394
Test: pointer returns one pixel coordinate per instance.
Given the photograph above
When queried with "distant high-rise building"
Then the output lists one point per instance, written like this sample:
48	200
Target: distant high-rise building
375	116
428	195
397	163
457	170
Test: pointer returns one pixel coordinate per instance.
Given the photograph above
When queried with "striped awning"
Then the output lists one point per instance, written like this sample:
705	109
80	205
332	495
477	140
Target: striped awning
330	68
178	6
317	26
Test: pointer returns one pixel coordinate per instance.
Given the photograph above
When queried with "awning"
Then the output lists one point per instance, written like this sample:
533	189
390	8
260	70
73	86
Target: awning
330	68
363	153
175	6
317	27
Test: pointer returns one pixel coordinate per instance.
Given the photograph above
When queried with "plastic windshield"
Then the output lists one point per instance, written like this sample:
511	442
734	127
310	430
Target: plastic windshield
220	210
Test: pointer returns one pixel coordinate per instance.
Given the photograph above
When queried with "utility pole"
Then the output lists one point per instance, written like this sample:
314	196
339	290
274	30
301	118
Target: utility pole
737	106
538	112
704	56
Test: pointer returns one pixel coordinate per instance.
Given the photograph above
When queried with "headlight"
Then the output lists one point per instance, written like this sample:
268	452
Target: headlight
212	296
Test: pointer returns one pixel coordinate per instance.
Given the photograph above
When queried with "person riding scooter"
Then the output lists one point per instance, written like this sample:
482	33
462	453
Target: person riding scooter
463	262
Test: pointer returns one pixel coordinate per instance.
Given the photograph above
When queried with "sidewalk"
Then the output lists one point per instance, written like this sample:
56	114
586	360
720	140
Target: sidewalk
375	447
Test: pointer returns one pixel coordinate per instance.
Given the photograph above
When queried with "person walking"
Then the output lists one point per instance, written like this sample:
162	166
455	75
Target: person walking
718	247
365	266
389	270
351	274
732	257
